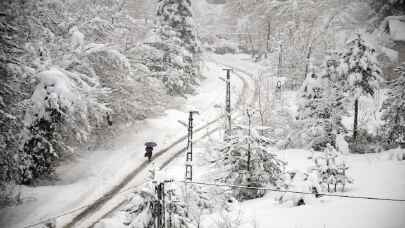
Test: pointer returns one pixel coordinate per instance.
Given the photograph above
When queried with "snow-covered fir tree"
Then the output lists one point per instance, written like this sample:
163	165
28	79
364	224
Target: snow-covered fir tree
175	60
144	205
247	160
394	109
321	109
176	21
360	69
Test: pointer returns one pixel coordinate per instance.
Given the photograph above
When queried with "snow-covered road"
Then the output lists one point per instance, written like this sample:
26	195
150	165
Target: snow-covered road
97	172
245	94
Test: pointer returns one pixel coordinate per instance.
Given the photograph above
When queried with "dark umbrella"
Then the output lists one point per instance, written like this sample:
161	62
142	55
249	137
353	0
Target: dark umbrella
150	144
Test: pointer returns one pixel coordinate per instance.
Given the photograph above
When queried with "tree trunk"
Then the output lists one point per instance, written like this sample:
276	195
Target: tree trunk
356	113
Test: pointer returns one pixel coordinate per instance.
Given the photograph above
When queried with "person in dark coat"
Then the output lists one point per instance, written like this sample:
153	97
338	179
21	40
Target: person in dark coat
148	153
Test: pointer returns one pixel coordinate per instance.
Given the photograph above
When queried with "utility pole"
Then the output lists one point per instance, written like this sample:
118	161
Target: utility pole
189	152
249	114
280	61
170	209
228	129
159	206
268	36
308	61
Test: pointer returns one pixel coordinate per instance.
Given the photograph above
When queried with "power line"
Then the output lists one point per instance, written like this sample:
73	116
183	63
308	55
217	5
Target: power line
290	191
219	185
78	209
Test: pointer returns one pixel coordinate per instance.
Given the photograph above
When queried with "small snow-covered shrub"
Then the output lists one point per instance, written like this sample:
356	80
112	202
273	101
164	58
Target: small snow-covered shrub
397	154
298	182
365	143
331	169
8	195
222	47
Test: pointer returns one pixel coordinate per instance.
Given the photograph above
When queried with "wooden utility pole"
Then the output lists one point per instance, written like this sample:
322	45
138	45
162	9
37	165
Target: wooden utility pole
249	114
308	61
160	205
228	128
268	36
280	61
356	113
259	90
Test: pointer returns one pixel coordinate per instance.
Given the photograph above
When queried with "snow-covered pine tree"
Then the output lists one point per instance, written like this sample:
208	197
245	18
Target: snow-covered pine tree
322	108
175	20
394	109
175	38
334	96
143	205
314	113
264	168
360	68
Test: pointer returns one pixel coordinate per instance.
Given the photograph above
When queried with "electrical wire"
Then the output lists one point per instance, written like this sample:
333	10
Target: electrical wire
290	191
220	185
79	208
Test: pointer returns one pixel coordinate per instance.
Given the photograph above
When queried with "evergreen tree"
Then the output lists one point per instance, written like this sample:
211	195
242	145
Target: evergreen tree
322	107
175	20
314	113
359	68
38	154
394	109
175	38
247	161
144	205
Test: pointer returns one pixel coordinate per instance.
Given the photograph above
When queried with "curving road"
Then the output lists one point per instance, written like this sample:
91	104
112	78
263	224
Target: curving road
113	199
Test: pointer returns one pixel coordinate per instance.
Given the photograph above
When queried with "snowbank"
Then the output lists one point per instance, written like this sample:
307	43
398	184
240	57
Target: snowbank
397	30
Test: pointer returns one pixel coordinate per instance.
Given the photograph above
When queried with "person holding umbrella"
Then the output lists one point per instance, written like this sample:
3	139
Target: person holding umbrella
149	149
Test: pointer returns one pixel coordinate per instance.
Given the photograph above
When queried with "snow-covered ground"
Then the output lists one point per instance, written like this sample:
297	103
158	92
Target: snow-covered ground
375	175
96	172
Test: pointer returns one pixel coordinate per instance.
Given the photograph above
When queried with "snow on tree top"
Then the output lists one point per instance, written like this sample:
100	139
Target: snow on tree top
55	89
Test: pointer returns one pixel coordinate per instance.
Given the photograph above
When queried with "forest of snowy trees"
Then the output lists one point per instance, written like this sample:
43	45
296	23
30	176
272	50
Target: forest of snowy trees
66	67
74	73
